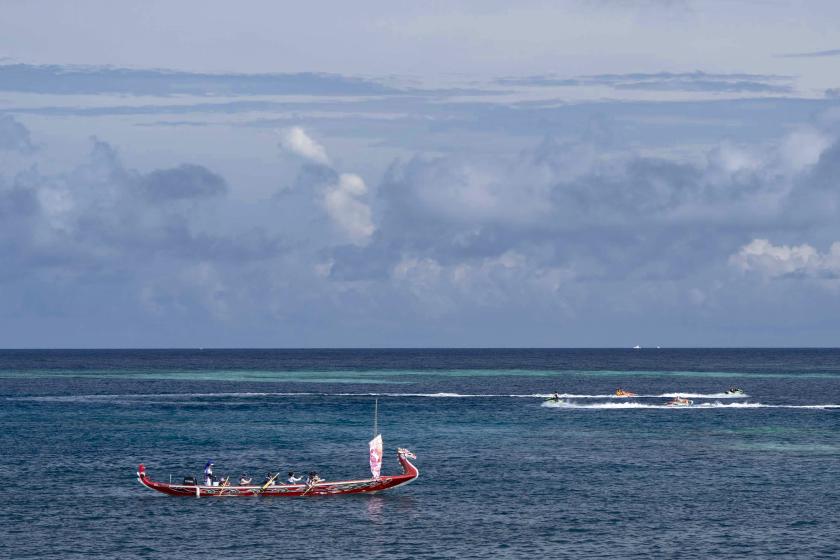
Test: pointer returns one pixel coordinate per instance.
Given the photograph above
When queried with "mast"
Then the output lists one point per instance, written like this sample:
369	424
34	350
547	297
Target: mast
375	417
375	445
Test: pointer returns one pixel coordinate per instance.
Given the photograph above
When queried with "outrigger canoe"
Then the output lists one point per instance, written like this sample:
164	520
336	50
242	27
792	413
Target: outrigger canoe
323	488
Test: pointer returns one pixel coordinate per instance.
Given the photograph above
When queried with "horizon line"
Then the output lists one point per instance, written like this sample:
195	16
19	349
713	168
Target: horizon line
309	348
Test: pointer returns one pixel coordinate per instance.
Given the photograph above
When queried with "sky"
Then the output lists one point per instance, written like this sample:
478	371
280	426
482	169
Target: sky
595	173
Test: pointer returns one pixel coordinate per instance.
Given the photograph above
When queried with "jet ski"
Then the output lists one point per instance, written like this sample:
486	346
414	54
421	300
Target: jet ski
734	391
555	399
679	401
623	393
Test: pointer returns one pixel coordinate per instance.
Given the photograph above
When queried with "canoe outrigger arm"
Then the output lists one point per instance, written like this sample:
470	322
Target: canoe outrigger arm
324	488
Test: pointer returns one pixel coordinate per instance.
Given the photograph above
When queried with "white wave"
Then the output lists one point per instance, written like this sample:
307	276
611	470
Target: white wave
703	395
695	406
643	396
616	403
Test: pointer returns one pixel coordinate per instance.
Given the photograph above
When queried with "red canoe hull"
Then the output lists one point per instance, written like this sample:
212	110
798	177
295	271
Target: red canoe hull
325	488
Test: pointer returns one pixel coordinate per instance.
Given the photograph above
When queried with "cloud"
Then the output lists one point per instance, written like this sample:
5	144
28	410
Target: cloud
100	210
784	260
537	81
813	54
736	86
610	221
296	140
665	81
344	204
566	211
16	201
343	195
14	136
71	80
184	181
697	75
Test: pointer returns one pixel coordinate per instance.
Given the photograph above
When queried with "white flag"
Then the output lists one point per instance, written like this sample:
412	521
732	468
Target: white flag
375	455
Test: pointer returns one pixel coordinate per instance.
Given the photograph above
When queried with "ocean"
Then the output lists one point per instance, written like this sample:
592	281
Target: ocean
503	473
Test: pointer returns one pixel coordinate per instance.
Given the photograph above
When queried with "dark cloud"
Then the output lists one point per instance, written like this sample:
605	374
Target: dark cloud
185	181
17	202
101	213
665	81
548	81
641	76
14	136
816	197
705	85
70	80
56	79
813	54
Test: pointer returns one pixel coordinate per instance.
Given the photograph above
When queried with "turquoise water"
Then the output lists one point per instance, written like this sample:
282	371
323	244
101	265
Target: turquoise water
503	474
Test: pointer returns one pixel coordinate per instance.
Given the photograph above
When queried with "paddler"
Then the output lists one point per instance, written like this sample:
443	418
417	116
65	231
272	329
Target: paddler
313	479
294	479
208	473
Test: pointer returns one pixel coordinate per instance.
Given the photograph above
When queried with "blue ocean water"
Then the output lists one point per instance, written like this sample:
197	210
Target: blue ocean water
503	473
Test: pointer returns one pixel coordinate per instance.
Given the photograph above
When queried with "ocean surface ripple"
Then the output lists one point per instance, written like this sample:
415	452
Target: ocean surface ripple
505	473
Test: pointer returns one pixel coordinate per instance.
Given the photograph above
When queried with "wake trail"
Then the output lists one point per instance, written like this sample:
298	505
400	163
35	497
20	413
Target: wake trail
696	406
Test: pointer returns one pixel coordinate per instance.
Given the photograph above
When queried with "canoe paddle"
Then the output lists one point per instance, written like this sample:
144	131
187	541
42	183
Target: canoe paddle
223	484
310	484
268	483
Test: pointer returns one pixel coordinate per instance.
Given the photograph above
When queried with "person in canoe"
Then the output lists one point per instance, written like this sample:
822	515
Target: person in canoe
622	393
208	473
294	479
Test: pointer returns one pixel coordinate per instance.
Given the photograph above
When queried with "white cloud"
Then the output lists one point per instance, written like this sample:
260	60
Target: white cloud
344	204
781	260
297	141
343	200
803	147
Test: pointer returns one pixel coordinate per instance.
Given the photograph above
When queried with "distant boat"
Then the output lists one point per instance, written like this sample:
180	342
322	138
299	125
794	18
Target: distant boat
637	347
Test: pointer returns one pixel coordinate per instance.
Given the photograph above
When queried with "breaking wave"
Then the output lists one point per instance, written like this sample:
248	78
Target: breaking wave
568	400
439	395
695	406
